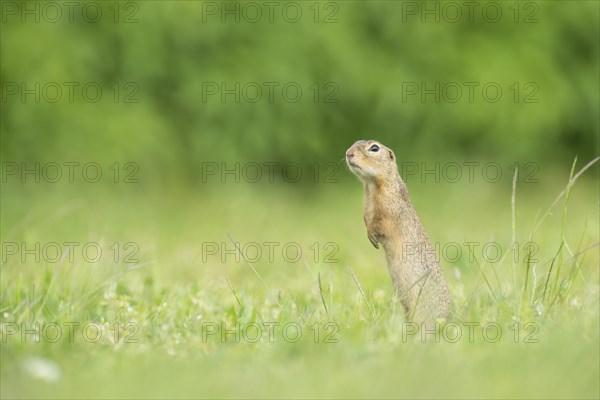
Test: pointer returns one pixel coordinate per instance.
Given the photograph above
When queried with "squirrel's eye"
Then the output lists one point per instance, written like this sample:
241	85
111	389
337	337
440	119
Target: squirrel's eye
374	148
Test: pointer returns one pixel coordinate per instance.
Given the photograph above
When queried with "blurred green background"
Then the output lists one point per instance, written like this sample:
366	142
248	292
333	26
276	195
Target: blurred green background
165	96
542	55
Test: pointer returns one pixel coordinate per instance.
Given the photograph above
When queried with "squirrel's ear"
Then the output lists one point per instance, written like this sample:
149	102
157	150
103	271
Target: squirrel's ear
391	154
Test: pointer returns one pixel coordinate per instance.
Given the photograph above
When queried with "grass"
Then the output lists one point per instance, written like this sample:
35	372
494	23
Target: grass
541	293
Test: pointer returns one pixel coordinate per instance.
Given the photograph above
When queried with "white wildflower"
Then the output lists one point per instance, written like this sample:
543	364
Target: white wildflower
42	369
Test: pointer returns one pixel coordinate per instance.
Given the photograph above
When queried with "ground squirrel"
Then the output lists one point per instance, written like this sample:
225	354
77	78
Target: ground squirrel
392	221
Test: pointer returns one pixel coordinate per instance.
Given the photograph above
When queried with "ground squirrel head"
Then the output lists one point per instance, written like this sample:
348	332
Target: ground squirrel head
371	161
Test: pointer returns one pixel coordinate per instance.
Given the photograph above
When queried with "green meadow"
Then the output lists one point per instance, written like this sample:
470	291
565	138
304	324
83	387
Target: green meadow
174	308
178	221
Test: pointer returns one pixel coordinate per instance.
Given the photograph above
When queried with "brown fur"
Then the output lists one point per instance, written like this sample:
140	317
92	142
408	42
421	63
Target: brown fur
392	221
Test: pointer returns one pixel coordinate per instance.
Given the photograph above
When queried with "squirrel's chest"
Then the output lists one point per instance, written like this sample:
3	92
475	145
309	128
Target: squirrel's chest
379	217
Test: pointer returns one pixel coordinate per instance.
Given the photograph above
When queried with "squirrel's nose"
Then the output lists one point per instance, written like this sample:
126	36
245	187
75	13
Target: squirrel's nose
349	154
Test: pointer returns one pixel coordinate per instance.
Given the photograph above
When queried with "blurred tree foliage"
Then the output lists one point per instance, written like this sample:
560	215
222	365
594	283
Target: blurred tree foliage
366	59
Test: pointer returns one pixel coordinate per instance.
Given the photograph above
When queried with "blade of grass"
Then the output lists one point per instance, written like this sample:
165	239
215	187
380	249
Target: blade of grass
550	272
362	293
487	282
331	293
561	194
574	257
513	233
563	223
322	296
232	290
237	246
527	269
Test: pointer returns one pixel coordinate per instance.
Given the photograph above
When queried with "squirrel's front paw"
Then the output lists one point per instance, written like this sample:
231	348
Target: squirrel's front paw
373	238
